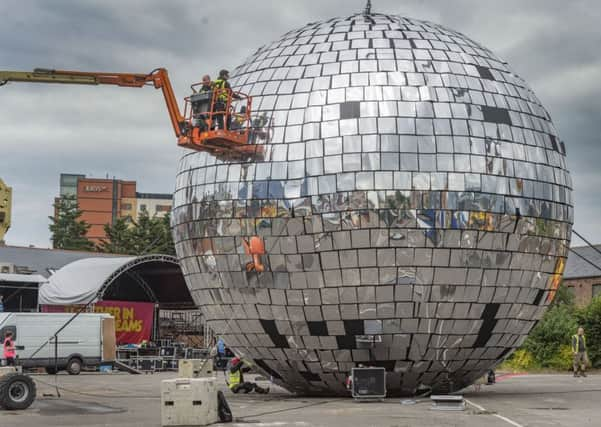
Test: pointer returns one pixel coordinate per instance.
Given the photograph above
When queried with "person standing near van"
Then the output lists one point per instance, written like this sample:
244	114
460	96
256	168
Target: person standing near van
1	303
9	349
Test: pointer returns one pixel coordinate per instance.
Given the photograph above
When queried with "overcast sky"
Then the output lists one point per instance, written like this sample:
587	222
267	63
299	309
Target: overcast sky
45	130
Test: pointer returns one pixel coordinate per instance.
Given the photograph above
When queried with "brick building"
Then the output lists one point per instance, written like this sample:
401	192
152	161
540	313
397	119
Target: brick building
582	278
103	201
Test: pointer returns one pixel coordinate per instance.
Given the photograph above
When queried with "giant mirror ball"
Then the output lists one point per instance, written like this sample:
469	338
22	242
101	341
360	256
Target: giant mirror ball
413	202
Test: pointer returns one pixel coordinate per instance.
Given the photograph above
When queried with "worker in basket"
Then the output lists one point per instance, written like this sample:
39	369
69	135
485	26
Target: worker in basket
224	91
207	84
236	381
201	108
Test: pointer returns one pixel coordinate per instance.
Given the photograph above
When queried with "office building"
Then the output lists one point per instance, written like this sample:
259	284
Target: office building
102	201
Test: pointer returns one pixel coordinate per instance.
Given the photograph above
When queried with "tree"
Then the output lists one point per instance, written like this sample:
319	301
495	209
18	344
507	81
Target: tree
165	244
118	237
68	232
563	296
142	236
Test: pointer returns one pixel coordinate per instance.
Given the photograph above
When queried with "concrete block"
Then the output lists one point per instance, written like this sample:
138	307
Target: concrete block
189	401
195	368
447	402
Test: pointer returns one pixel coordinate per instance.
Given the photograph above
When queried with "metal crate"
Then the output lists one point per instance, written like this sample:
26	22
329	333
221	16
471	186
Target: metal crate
368	383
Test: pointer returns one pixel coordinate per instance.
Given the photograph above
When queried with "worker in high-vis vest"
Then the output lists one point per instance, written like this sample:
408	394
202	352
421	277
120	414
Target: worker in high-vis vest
579	353
8	348
223	93
236	381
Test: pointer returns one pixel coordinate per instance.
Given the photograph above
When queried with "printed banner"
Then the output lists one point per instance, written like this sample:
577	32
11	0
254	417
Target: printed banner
133	320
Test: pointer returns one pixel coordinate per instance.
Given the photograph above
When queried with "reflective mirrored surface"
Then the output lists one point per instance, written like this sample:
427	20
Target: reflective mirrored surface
413	209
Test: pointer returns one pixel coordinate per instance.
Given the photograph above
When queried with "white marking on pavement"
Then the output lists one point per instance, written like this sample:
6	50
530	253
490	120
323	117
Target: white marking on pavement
501	417
271	424
513	423
475	405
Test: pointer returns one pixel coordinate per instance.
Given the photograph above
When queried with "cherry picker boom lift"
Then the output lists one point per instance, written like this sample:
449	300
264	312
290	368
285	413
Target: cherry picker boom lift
195	129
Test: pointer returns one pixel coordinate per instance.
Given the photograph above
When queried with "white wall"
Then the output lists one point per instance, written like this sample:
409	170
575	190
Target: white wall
151	206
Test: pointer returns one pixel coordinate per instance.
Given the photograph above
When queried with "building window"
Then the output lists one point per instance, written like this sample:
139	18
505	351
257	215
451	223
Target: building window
163	208
596	289
142	207
71	180
126	206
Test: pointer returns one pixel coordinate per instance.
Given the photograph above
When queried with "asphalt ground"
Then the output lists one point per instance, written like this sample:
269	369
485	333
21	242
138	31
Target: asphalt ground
119	399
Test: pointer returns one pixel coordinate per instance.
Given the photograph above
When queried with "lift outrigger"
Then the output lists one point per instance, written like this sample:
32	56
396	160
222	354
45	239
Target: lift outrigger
196	129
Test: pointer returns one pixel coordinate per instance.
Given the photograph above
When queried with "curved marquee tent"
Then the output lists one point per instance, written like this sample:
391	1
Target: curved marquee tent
151	278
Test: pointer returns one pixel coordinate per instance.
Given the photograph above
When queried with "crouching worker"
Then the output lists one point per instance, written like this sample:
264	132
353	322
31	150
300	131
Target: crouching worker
236	381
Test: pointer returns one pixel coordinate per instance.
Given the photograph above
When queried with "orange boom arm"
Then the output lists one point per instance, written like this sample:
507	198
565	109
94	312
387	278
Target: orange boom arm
232	144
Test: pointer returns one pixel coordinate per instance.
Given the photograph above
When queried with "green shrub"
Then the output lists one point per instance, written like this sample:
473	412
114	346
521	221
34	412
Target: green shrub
562	359
520	360
549	343
590	319
553	332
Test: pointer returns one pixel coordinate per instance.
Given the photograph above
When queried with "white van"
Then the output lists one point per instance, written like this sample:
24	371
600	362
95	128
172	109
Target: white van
87	341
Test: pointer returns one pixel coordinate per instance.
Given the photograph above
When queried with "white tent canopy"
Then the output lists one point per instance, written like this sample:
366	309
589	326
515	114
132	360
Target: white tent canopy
153	277
80	281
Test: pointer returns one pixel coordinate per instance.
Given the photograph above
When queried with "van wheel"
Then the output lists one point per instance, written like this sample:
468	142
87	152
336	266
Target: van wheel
17	391
74	366
50	370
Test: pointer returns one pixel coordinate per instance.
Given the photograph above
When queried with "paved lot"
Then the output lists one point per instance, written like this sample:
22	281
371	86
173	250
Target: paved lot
126	400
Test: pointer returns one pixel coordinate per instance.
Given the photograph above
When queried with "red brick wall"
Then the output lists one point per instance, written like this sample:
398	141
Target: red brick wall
95	199
583	289
128	189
